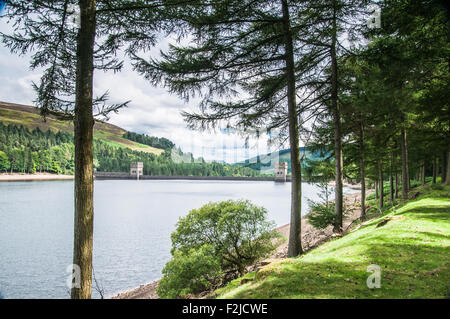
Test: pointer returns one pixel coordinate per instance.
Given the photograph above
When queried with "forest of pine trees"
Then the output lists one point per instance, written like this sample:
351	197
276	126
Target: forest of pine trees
26	151
371	91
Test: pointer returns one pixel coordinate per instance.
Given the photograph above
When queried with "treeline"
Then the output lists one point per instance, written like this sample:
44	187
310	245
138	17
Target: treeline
26	151
393	94
115	159
158	142
372	94
30	151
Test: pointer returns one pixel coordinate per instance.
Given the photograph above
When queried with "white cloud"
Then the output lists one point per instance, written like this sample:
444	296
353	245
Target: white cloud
152	110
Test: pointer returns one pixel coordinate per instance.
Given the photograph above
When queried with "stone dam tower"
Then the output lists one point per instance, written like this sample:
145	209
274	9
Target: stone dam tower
281	169
136	168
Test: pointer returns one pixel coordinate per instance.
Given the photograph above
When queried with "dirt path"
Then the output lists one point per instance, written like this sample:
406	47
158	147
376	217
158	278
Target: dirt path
311	237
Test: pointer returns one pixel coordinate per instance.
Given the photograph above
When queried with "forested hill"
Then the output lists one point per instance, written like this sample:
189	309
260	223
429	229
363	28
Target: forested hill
30	118
29	145
265	162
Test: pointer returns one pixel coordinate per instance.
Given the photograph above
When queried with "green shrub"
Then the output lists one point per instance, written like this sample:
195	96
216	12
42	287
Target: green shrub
216	243
238	231
190	273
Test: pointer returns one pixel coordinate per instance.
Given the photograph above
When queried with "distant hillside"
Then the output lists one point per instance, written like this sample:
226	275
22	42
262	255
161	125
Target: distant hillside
266	162
29	117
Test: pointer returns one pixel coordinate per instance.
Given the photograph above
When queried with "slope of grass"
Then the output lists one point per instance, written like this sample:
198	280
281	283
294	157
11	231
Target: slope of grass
412	249
29	117
118	141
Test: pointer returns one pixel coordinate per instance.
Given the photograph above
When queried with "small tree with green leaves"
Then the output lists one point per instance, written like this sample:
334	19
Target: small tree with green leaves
190	272
238	231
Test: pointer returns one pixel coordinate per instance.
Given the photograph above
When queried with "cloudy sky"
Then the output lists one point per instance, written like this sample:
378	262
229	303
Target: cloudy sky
152	110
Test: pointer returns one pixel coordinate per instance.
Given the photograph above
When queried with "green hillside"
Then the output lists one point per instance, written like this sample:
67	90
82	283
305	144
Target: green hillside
28	145
410	243
30	118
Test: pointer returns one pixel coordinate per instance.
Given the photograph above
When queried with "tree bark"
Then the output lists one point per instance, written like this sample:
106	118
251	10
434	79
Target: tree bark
376	189
391	179
396	184
422	172
405	172
84	124
363	171
435	166
444	167
380	182
335	110
295	243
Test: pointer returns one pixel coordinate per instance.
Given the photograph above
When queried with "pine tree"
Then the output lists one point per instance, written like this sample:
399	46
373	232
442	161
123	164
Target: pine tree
239	46
70	53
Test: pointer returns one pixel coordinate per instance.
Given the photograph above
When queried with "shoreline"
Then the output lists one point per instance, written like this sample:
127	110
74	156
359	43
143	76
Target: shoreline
17	177
8	177
311	238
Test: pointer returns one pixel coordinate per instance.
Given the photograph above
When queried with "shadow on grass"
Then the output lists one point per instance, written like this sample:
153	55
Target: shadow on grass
414	259
431	212
428	213
407	271
436	236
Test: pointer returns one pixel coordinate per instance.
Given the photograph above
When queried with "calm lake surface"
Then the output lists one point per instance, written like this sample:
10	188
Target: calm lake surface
132	225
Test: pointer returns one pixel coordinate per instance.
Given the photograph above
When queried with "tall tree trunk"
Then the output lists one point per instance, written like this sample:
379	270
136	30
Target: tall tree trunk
295	236
396	184
335	110
363	172
444	167
376	189
422	172
437	167
434	170
391	179
447	178
380	179
84	124
405	172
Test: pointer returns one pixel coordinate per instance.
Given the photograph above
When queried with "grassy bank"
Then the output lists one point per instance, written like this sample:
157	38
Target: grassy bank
410	243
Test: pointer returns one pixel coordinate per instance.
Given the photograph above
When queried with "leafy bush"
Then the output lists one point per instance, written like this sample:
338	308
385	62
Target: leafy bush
238	230
216	243
190	273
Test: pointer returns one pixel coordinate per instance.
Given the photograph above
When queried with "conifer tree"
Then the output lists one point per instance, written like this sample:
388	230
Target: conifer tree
242	60
70	39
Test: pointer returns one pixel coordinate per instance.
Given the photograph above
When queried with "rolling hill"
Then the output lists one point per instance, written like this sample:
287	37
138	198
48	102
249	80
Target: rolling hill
29	117
266	162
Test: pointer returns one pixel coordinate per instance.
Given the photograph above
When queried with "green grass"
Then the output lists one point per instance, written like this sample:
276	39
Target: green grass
116	140
414	183
412	249
30	118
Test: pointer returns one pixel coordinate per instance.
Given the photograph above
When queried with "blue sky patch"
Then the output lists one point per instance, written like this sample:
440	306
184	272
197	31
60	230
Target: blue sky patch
2	6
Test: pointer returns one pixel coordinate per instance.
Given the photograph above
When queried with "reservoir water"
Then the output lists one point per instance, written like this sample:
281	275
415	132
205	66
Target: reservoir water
132	225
